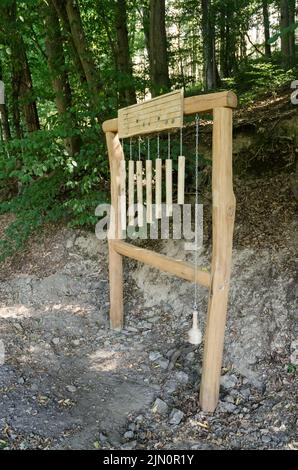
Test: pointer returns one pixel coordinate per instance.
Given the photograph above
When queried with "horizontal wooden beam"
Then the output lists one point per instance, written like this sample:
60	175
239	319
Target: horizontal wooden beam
206	103
166	264
193	105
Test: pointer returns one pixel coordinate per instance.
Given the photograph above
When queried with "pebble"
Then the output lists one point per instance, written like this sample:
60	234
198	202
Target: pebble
176	416
227	407
154	355
128	435
163	363
21	381
55	341
71	388
76	342
228	381
129	445
102	437
170	386
159	407
266	439
182	377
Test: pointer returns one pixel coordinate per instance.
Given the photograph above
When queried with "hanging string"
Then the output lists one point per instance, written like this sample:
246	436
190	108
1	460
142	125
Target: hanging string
139	148
196	205
130	148
158	153
169	146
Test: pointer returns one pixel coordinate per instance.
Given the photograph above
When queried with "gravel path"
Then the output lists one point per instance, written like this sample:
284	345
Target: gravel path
70	382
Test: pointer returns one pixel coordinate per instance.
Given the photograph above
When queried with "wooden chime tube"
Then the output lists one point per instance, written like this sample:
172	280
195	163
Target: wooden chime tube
140	193
181	179
169	187
149	191
123	194
131	191
158	189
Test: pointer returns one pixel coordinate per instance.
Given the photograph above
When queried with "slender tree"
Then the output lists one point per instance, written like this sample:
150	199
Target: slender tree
126	86
266	22
4	116
158	55
59	75
211	76
21	75
287	18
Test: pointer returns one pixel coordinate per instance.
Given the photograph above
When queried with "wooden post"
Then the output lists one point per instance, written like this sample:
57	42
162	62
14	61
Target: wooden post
115	259
223	213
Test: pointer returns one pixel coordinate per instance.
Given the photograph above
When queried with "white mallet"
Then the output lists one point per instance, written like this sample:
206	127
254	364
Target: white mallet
195	334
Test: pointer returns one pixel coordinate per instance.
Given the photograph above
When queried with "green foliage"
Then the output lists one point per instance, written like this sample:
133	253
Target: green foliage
257	78
51	185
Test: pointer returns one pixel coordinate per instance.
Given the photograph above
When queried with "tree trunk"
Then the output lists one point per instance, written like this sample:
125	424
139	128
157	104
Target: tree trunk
284	23
59	76
4	117
21	75
292	51
126	88
211	76
266	22
60	6
158	56
80	42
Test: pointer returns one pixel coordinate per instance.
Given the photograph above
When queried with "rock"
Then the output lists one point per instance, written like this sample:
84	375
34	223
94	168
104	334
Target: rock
190	357
71	388
176	416
170	386
102	437
182	377
55	341
159	407
69	244
129	445
128	435
266	439
163	363
21	381
154	355
76	342
294	355
228	381
226	407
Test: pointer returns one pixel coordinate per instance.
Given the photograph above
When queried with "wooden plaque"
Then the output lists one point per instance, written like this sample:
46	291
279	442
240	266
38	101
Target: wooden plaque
159	114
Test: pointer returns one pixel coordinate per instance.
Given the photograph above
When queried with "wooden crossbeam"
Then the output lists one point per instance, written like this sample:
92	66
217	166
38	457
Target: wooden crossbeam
178	268
192	105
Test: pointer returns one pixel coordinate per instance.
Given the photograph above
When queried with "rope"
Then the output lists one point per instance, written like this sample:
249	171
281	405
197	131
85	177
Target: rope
148	146
196	205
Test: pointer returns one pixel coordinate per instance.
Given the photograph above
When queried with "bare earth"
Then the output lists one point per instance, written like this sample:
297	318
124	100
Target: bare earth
70	382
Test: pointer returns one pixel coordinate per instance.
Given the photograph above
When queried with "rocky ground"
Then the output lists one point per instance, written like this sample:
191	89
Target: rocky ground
70	382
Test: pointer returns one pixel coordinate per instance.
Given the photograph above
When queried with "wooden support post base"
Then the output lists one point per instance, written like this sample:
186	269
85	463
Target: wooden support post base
116	289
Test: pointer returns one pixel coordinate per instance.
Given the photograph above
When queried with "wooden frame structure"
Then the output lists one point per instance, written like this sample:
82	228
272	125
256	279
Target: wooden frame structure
223	213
